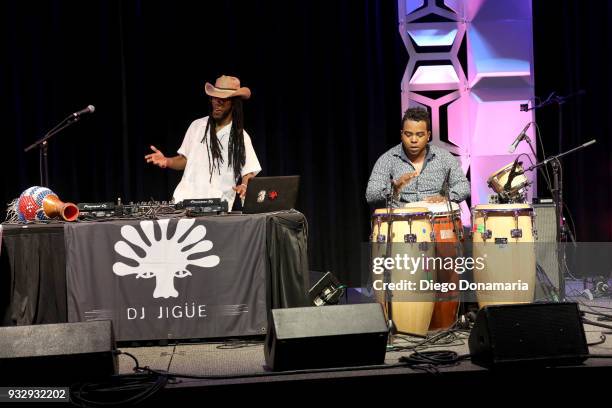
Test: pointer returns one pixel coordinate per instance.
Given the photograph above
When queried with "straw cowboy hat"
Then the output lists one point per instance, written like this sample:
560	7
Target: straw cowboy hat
227	87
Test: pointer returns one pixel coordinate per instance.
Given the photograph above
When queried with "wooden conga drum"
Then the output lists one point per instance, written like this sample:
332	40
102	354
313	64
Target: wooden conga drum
504	235
411	234
448	232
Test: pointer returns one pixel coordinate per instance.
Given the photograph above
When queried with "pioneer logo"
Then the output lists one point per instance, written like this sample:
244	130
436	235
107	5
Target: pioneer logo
96	206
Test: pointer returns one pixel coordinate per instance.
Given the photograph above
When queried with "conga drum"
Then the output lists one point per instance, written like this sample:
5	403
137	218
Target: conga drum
503	235
448	232
411	235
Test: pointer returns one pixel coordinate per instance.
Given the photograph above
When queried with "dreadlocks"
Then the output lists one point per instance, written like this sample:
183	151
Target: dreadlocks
236	153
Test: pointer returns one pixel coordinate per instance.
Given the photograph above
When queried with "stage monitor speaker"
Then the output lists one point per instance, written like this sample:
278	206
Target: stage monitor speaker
57	354
327	336
545	334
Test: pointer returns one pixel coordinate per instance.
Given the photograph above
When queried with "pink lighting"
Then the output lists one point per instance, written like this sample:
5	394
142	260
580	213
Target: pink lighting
480	112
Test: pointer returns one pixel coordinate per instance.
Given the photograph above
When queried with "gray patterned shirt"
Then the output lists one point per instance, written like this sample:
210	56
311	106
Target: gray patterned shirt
436	166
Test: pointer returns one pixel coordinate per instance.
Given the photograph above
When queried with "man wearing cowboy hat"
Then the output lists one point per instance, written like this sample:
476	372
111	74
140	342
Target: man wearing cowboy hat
217	154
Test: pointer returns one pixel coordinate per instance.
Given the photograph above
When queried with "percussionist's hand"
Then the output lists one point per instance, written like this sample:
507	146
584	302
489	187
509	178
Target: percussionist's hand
403	180
435	199
157	158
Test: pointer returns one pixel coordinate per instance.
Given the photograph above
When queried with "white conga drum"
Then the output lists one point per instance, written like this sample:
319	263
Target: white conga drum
411	235
503	235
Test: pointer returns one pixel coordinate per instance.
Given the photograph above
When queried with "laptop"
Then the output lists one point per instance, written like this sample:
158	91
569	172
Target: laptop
268	194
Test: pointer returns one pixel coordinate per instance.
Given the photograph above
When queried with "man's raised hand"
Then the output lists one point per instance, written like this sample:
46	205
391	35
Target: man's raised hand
157	158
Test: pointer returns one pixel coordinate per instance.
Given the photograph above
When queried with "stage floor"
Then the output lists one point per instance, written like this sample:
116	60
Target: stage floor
242	361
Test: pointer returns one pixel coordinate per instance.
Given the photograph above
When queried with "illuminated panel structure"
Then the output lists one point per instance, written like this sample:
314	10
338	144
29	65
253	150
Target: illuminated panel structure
471	65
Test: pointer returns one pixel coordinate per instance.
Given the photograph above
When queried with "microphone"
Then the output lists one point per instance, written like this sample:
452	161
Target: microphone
590	142
518	139
89	109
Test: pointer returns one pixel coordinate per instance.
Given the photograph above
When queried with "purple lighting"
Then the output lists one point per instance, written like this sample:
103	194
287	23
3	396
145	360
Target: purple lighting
480	112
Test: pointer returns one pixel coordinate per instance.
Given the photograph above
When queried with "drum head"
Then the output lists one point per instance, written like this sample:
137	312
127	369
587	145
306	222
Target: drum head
442	208
497	181
505	169
502	207
416	211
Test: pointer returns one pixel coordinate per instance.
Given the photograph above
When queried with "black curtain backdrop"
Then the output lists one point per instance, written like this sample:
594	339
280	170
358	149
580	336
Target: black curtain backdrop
325	77
572	50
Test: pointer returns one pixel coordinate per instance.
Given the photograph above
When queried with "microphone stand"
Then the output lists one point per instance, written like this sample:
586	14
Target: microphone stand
43	145
557	188
512	174
449	206
389	252
560	101
557	193
456	225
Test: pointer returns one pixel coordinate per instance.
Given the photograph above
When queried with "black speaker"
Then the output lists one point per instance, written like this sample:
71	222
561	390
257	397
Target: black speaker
57	354
327	336
546	334
546	251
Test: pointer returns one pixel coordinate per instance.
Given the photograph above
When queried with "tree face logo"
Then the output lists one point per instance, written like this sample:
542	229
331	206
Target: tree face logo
165	258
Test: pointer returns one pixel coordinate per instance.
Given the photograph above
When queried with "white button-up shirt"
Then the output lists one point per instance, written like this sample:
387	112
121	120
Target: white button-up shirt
196	182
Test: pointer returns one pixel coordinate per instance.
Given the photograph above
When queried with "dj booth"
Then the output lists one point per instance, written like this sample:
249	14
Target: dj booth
156	279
